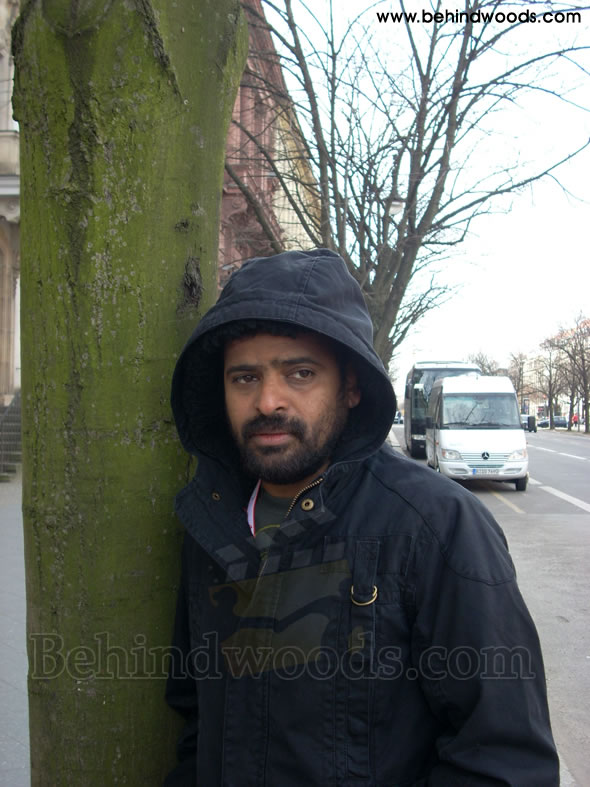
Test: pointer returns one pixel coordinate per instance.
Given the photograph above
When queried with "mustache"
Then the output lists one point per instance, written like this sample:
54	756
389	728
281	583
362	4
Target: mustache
273	423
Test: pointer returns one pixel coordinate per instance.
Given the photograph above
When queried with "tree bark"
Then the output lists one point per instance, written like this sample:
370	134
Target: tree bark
123	109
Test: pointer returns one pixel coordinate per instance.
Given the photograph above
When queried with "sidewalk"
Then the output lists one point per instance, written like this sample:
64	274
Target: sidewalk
14	717
393	441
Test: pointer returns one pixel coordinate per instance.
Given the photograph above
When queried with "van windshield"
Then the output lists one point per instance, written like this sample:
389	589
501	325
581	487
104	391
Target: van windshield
480	411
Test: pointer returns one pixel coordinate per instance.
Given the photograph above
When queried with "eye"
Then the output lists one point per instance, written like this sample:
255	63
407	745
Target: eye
302	374
244	379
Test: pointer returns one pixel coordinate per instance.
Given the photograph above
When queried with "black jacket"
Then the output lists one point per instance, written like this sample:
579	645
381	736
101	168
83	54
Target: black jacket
383	640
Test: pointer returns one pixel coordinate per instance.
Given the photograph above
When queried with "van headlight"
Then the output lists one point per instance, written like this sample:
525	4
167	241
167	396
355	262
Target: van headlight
448	453
516	455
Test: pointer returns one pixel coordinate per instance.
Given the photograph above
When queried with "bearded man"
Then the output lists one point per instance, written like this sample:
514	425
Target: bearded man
345	616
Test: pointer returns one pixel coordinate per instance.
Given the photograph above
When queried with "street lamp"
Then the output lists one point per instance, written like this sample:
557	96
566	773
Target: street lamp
397	205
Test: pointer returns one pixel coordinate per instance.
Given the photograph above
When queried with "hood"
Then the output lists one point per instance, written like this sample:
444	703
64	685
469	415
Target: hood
312	290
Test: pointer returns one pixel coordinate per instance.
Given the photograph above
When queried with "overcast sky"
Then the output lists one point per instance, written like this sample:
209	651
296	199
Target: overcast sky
521	276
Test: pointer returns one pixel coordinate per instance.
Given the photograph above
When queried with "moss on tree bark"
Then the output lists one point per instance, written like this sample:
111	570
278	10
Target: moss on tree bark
123	109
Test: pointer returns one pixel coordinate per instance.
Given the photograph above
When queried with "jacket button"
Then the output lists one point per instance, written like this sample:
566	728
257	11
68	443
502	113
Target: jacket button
216	496
307	504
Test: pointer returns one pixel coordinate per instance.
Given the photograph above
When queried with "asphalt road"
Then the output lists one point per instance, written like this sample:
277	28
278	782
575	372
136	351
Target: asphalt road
548	532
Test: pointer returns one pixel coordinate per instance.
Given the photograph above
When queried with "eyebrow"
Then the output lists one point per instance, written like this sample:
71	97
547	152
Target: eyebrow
252	367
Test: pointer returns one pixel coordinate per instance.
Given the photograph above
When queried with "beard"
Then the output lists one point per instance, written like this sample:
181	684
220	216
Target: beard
312	446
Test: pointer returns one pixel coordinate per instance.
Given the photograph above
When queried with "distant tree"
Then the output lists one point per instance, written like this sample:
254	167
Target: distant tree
391	136
487	365
574	344
516	369
571	383
550	377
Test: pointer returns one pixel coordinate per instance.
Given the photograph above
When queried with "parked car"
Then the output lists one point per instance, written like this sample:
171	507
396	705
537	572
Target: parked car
558	420
398	419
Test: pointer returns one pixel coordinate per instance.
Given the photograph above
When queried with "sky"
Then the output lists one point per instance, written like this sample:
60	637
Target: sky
521	277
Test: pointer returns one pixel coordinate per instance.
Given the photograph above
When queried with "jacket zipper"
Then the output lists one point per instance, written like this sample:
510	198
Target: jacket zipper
301	491
295	499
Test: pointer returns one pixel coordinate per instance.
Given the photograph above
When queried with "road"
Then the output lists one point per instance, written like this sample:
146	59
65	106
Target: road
548	532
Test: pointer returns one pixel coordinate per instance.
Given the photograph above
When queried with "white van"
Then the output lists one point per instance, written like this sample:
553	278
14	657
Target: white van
473	430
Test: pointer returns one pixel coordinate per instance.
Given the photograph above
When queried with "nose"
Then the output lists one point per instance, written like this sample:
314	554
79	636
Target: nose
271	396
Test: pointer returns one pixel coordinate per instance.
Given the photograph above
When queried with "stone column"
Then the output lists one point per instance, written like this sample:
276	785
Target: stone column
8	278
9	205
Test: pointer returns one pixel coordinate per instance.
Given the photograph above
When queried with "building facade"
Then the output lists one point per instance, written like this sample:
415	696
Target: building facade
9	213
265	152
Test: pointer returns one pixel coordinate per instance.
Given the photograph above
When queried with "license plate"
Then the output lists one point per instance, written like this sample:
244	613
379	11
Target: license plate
483	471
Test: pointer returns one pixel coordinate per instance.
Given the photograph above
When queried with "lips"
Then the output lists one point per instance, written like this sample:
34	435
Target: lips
271	438
270	432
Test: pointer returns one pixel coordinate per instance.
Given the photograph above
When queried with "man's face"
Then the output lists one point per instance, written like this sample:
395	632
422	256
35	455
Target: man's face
286	403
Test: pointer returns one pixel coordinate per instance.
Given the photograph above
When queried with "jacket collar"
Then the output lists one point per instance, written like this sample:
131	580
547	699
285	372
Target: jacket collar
213	509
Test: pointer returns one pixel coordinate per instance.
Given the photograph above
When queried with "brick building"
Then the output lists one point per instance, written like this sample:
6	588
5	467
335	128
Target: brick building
264	146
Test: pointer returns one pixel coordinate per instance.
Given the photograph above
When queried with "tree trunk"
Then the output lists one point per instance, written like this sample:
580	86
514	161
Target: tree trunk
123	109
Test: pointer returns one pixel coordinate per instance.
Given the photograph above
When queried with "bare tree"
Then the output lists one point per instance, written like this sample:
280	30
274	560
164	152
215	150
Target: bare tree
574	344
486	364
398	142
550	377
571	385
516	373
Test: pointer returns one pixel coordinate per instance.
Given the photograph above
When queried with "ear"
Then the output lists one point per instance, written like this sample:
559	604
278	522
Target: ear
351	388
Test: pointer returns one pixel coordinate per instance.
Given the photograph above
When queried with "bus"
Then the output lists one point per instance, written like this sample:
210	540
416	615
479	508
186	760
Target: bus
419	382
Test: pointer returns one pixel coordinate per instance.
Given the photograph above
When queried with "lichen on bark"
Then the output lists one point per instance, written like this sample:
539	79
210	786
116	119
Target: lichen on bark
119	142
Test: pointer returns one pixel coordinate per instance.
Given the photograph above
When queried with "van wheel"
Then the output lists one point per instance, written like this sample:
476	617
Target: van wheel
521	484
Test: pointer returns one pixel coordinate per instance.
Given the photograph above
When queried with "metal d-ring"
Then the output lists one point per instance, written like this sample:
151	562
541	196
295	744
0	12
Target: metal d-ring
363	603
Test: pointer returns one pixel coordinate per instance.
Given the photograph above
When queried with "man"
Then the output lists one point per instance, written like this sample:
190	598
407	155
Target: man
345	616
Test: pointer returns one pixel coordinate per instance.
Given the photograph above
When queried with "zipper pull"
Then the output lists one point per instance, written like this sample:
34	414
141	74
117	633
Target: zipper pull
301	491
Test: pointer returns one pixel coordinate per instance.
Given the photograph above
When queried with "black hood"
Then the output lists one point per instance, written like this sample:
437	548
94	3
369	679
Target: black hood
310	290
